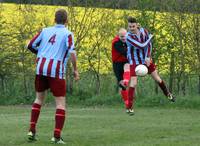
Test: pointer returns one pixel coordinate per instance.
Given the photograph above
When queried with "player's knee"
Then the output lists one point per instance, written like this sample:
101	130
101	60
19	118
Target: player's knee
126	67
60	103
40	97
133	85
122	87
133	82
39	100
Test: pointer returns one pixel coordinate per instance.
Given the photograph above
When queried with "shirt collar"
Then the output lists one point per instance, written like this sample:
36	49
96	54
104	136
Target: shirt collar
60	25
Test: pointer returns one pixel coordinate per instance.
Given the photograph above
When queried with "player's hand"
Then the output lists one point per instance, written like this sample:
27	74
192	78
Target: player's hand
148	61
150	35
76	75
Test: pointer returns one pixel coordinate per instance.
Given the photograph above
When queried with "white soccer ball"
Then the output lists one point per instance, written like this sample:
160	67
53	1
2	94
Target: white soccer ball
141	70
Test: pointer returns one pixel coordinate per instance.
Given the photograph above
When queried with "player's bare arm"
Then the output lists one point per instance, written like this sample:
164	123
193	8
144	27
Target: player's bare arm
73	59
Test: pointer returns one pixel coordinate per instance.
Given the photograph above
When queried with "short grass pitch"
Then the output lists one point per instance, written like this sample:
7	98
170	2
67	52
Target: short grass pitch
104	126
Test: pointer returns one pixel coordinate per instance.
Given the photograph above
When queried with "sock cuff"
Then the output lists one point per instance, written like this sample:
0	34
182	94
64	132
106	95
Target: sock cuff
127	74
60	111
36	105
161	83
131	88
124	91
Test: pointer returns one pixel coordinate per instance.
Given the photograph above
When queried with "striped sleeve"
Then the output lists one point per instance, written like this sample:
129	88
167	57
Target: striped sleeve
70	47
35	42
70	43
149	46
129	54
149	50
136	43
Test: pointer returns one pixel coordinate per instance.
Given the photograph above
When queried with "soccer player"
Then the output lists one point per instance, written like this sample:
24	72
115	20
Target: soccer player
121	67
53	46
139	46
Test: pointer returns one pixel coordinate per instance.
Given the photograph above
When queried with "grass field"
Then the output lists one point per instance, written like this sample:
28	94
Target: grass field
105	126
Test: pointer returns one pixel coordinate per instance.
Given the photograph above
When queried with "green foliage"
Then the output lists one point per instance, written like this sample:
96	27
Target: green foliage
94	30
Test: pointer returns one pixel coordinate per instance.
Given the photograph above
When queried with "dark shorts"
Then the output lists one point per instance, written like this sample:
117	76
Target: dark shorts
151	68
118	68
57	86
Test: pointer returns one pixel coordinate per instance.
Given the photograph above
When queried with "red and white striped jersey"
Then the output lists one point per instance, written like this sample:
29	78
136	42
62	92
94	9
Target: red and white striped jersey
52	46
139	46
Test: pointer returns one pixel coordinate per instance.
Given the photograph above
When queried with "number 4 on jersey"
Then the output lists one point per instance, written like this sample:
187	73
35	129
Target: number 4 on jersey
52	40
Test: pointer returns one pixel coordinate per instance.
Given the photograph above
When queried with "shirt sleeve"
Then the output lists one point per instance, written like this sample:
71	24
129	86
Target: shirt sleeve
137	44
149	46
70	43
129	54
149	50
35	42
70	46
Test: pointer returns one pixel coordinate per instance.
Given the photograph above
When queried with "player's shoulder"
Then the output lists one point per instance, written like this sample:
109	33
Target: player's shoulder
115	39
144	30
48	28
141	29
129	35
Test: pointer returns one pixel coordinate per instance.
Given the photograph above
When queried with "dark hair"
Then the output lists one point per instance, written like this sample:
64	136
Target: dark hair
61	16
131	20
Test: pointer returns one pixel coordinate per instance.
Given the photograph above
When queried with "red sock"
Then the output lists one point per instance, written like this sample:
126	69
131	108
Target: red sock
59	122
126	77
131	97
35	112
164	88
124	95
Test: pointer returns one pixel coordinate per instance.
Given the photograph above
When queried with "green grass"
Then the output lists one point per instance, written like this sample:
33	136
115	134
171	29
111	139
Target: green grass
105	126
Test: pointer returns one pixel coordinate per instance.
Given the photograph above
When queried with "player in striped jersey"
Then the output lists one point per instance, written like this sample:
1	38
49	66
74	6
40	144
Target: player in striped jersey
139	52
53	46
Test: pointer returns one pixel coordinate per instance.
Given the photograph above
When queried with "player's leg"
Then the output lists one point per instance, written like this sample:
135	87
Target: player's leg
131	94
161	83
125	78
124	95
40	87
58	88
131	90
126	74
119	71
59	119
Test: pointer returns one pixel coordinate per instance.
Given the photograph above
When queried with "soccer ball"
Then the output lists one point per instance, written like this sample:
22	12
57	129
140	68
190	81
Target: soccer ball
141	70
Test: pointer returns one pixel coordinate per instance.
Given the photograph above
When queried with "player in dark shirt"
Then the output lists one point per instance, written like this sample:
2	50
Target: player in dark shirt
121	66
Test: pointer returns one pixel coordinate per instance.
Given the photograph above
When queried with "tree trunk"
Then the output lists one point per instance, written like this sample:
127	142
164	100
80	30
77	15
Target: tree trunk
199	84
171	77
2	84
98	84
178	83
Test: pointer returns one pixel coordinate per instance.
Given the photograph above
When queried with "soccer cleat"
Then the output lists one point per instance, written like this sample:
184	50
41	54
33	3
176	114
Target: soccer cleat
130	111
127	111
57	140
171	97
31	136
125	82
